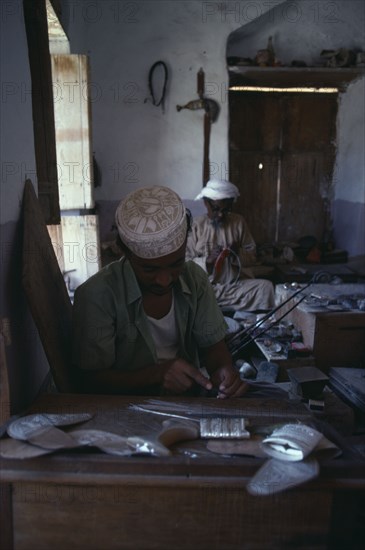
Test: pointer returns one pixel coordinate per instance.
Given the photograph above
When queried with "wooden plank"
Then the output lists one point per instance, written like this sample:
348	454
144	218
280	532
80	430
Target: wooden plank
281	157
55	233
5	408
46	292
204	516
6	511
58	41
339	340
309	122
70	75
258	189
336	338
80	237
246	132
35	18
291	77
76	243
302	210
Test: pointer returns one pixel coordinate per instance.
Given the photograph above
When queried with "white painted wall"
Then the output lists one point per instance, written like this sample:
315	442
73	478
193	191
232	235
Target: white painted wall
135	143
349	175
16	135
301	29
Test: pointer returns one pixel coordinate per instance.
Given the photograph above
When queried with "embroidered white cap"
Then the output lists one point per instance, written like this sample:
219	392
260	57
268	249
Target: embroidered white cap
152	222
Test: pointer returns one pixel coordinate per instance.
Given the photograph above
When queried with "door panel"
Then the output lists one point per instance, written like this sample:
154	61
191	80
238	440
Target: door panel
258	191
70	75
301	210
255	122
282	150
308	121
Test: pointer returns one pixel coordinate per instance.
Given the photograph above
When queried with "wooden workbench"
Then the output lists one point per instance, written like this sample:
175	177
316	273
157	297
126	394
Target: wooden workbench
193	499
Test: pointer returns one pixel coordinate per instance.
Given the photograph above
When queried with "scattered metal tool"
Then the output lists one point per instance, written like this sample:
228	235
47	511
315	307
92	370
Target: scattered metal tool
210	427
237	342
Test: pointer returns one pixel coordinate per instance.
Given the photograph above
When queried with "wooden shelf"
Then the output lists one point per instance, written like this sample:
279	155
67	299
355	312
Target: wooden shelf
292	77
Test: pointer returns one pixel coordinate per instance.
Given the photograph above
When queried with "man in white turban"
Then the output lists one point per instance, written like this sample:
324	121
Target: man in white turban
146	323
222	244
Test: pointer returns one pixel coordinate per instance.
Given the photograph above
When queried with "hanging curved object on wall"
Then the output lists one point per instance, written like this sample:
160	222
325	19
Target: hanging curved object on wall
161	100
210	106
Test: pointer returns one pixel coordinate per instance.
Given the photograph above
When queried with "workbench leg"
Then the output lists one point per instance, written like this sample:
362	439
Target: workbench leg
6	514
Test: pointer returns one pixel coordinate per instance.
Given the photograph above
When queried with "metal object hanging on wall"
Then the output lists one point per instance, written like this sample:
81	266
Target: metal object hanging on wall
161	101
211	109
210	106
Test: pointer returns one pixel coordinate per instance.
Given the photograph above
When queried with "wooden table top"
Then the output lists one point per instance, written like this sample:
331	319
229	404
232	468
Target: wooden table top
190	461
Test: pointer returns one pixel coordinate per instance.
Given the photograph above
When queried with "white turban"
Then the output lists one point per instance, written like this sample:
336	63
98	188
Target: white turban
218	190
152	222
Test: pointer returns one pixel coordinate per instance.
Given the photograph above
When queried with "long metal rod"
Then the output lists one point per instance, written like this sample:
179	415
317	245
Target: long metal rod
251	338
247	332
248	336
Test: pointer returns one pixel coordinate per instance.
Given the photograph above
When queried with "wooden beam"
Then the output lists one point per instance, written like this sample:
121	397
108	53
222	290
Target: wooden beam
35	17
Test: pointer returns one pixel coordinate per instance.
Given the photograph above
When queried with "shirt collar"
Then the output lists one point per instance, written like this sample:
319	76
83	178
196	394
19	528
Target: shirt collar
184	287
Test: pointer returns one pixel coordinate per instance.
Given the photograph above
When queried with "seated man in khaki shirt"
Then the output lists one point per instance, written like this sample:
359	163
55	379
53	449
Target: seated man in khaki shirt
147	323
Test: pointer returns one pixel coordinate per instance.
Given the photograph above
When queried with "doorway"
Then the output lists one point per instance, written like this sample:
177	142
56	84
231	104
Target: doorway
63	141
281	156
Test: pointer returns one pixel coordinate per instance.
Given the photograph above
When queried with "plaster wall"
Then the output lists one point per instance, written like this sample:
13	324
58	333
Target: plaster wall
136	143
300	30
349	176
16	136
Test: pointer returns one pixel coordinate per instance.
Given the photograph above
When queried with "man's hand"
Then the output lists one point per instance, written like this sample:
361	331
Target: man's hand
228	382
178	376
224	377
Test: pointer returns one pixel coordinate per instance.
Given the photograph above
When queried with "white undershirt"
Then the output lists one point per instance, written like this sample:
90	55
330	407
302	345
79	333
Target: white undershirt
164	334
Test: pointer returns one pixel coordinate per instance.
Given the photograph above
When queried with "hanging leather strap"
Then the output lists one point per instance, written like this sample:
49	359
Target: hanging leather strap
150	83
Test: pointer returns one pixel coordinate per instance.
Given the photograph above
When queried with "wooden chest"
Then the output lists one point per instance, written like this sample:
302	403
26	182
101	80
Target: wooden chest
337	338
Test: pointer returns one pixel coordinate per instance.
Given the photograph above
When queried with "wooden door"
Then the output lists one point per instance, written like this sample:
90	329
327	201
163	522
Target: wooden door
70	77
76	238
281	150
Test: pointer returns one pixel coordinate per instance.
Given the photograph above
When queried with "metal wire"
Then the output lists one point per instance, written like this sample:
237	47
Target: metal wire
249	334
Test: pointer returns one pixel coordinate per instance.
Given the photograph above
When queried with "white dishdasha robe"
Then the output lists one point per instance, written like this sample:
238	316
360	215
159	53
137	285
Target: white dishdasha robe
235	287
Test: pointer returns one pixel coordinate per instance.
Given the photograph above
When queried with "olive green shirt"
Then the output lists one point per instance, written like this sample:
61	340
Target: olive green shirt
111	329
